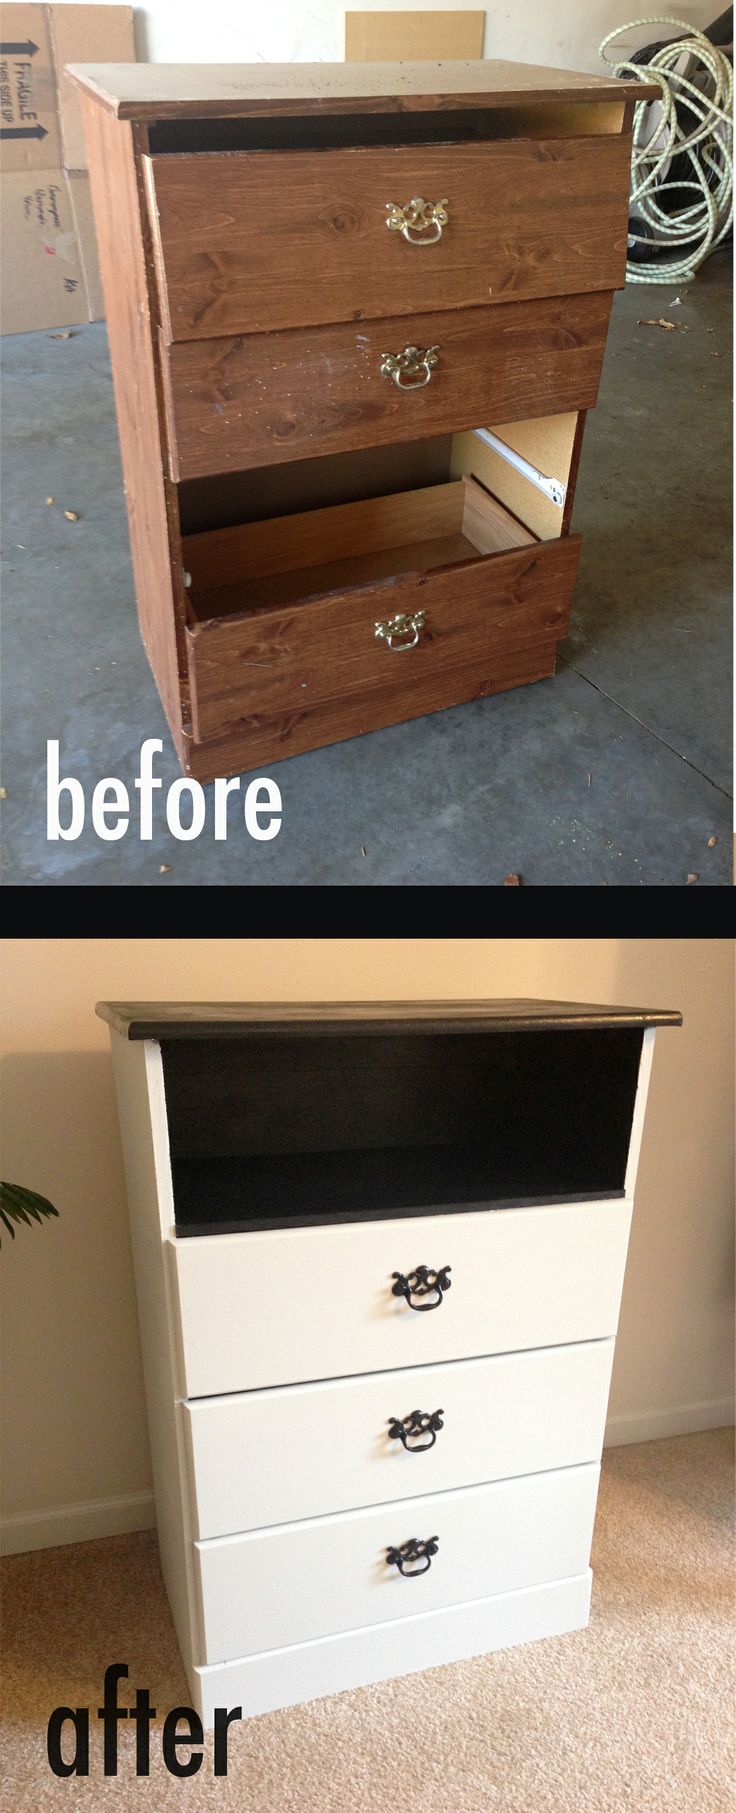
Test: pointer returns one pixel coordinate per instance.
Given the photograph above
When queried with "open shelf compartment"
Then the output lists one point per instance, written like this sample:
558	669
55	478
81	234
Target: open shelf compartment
266	1133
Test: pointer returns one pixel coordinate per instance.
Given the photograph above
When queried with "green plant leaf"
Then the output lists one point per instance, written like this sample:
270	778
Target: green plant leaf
19	1204
24	1200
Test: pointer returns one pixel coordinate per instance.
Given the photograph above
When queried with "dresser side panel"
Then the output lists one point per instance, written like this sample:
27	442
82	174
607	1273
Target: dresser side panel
121	225
144	1134
640	1108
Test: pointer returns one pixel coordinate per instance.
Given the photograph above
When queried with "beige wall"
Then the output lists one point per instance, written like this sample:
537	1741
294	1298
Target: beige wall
74	1423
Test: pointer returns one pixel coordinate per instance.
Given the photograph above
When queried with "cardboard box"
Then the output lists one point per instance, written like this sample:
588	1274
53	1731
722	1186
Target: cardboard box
29	128
40	118
84	34
51	273
43	280
407	37
84	222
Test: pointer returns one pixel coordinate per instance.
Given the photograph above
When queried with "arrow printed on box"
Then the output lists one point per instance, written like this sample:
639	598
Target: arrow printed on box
19	50
23	132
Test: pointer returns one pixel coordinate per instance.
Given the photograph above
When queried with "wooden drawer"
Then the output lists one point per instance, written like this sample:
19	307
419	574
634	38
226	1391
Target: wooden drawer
265	398
254	241
313	1578
272	633
268	1457
316	1303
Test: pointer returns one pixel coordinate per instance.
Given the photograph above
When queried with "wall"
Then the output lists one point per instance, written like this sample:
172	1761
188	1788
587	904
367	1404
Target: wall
565	36
76	1456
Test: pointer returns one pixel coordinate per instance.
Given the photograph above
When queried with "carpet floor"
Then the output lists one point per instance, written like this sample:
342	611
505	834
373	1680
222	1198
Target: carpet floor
634	1713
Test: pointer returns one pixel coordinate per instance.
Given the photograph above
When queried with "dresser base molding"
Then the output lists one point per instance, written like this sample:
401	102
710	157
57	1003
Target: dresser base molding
357	1658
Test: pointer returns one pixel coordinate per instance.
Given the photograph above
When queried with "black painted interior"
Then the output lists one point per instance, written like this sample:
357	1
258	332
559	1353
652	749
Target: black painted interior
268	1133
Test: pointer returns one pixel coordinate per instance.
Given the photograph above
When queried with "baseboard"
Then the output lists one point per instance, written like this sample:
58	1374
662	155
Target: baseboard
77	1523
683	1419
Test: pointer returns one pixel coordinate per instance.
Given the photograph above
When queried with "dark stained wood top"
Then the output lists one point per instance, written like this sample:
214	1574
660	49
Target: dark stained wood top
159	91
246	1019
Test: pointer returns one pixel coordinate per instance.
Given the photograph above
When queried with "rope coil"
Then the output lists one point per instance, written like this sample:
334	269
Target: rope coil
701	225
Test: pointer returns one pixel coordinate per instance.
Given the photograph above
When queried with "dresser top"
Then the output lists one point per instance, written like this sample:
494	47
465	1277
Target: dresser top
159	91
244	1019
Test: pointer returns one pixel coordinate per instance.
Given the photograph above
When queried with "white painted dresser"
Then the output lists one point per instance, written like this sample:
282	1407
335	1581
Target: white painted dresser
379	1254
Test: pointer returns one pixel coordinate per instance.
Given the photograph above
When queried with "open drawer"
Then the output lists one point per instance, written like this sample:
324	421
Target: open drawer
380	609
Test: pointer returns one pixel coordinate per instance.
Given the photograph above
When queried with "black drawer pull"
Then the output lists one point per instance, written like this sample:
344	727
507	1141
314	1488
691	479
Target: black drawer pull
421	1422
413	1551
420	1283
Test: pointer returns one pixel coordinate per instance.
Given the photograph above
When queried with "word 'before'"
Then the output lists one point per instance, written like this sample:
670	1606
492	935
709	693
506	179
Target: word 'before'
186	803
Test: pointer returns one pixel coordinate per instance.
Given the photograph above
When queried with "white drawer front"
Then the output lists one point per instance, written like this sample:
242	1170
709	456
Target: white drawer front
305	1671
316	1303
310	1579
268	1457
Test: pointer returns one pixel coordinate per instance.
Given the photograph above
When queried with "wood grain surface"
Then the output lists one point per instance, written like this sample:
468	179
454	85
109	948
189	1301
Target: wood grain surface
249	551
223	1019
276	269
120	222
159	91
257	241
261	740
264	398
287	660
240	558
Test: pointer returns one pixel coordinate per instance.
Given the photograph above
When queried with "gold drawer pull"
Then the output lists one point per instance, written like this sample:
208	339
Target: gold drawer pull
401	626
418	220
410	364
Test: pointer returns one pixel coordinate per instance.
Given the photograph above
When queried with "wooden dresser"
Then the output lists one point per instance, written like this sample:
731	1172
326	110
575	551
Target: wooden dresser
379	1251
357	315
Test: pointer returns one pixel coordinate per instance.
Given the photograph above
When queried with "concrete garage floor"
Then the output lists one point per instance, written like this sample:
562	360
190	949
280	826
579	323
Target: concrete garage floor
615	773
